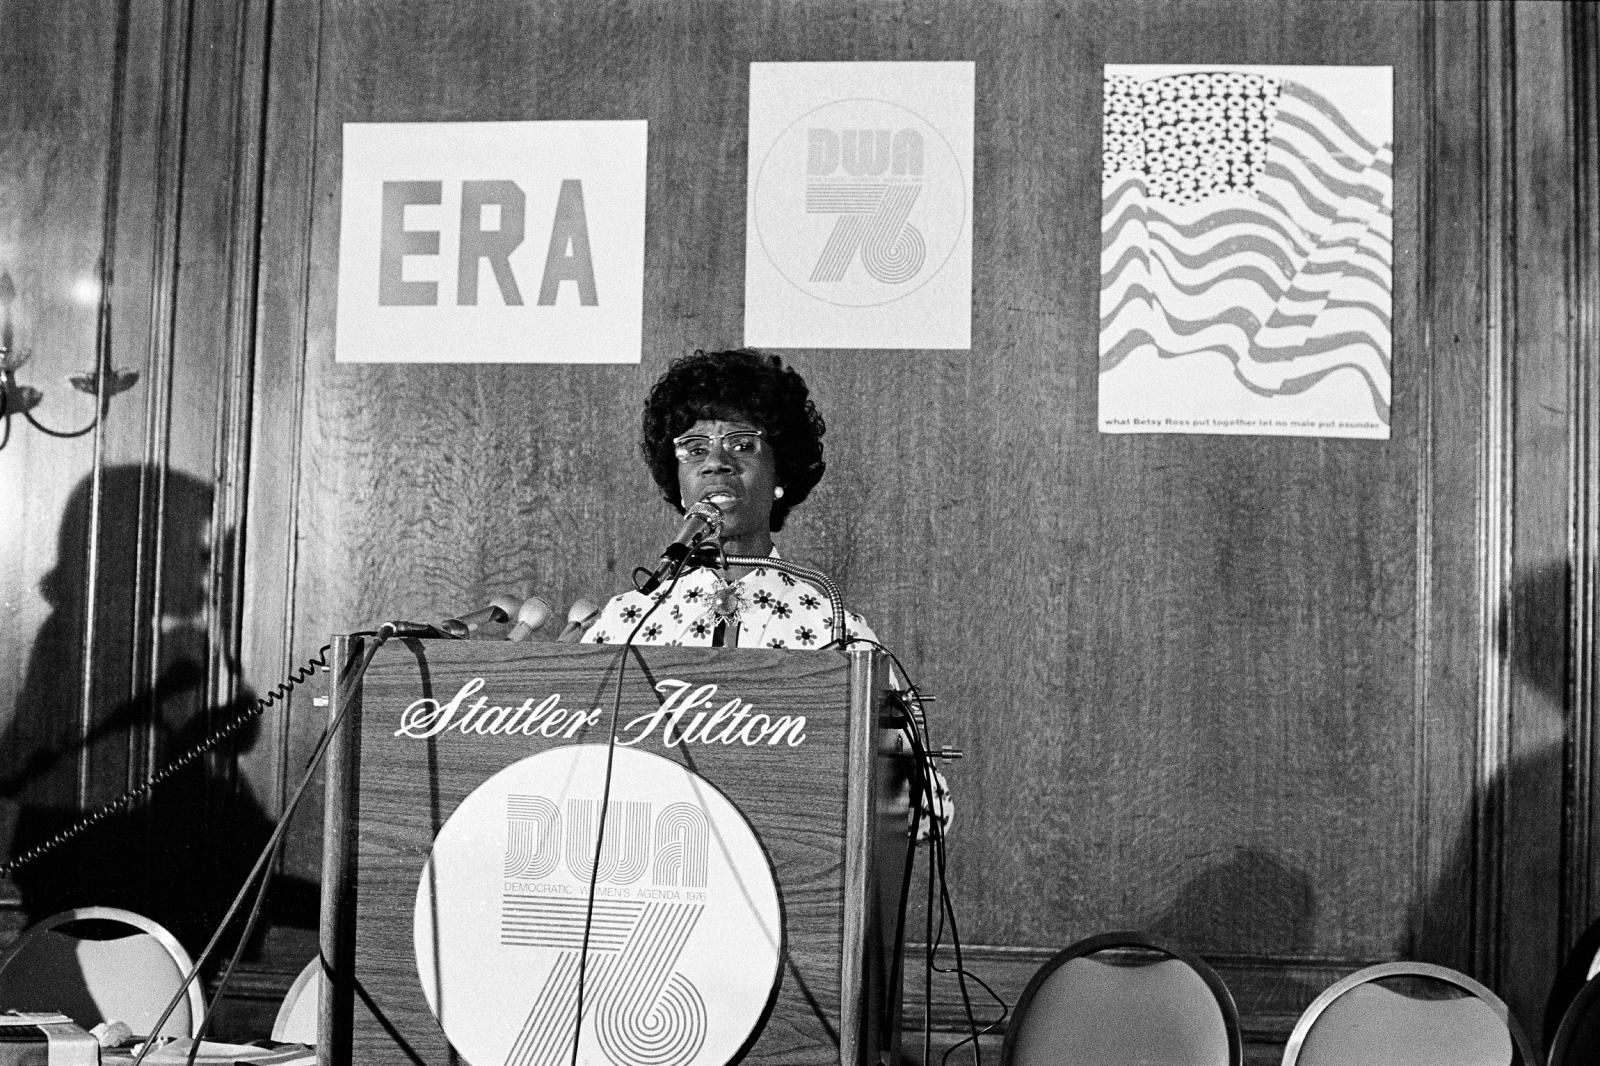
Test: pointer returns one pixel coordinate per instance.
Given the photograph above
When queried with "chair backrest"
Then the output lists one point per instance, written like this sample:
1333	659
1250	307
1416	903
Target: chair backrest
1581	964
298	1013
99	964
1407	1014
1577	1038
1119	998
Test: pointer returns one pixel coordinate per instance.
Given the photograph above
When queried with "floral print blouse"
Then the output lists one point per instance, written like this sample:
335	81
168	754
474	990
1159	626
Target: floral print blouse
765	608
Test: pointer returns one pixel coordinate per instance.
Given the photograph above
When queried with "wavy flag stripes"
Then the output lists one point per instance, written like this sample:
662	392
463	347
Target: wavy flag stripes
1246	252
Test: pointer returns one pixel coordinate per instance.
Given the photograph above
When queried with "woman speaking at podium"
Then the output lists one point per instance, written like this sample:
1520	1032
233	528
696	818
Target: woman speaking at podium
736	429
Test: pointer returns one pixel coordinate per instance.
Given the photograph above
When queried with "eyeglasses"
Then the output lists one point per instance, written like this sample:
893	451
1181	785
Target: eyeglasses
739	443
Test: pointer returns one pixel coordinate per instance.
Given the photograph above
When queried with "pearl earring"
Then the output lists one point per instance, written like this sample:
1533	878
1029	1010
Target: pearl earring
777	493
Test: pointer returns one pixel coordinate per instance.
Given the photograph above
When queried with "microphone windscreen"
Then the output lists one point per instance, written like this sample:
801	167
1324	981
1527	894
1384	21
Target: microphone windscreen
534	612
580	616
581	611
501	608
507	606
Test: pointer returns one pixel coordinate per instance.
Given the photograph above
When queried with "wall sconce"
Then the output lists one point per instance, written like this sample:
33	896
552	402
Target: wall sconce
18	399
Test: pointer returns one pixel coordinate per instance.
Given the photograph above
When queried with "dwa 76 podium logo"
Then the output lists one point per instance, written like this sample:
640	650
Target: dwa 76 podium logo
505	936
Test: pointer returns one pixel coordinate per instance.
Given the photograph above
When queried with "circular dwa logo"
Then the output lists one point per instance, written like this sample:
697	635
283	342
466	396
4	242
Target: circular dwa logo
680	959
859	202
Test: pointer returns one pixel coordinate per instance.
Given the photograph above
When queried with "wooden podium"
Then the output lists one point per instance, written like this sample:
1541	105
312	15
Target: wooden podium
797	742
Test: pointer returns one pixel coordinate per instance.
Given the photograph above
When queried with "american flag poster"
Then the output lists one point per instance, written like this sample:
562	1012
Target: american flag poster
1246	257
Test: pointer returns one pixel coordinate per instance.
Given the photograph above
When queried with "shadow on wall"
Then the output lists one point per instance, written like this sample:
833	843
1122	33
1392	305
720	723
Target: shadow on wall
1253	904
1440	926
181	854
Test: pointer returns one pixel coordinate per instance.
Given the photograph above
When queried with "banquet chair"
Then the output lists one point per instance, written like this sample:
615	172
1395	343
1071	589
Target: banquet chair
298	1013
1123	997
1582	963
1407	1014
101	964
1577	1037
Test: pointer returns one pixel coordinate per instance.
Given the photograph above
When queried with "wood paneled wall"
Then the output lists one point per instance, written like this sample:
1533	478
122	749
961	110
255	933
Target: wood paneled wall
1298	704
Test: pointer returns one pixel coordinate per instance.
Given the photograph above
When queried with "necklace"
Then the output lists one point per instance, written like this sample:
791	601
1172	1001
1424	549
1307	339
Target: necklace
726	599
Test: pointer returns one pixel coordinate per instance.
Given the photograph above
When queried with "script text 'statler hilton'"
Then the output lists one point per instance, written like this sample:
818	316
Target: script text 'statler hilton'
686	716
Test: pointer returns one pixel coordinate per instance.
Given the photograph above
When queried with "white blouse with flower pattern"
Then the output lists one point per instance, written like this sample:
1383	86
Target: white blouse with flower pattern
772	609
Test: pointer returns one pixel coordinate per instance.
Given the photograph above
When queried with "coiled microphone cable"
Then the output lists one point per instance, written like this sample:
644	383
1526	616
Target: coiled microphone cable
128	798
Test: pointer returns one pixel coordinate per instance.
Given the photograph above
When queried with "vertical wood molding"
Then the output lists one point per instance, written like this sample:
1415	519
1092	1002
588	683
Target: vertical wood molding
233	429
1582	835
104	353
146	255
1422	866
1537	642
288	165
212	332
1493	502
1462	554
1496	224
121	584
171	144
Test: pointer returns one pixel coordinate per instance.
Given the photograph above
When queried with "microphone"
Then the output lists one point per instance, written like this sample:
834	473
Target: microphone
702	520
500	609
580	616
530	616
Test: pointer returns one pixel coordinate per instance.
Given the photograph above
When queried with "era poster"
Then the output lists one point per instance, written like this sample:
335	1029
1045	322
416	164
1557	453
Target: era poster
491	242
1247	259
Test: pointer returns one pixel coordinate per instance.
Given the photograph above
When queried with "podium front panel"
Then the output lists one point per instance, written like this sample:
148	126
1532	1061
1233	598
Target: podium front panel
510	740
